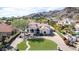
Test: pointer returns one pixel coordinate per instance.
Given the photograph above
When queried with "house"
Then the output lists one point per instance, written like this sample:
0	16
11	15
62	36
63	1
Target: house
39	29
66	21
5	31
71	39
53	19
45	29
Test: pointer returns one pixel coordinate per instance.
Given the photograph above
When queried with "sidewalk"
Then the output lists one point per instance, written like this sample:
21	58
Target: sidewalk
16	41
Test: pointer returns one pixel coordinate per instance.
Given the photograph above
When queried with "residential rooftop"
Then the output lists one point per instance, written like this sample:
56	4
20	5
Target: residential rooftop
5	27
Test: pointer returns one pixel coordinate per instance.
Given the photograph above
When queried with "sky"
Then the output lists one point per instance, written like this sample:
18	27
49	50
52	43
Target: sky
38	3
24	7
16	11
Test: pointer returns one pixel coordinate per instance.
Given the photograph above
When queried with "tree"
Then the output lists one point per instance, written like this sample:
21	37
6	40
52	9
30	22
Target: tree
4	18
24	17
12	18
21	24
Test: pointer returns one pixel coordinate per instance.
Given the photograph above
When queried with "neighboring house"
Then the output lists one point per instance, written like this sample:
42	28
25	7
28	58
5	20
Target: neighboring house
5	31
66	21
71	39
56	20
53	19
39	29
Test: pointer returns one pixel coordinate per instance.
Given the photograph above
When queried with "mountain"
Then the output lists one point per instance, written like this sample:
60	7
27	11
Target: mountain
70	12
43	14
67	12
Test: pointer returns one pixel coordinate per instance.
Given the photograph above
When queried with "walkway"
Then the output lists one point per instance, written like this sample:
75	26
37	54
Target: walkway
17	41
28	46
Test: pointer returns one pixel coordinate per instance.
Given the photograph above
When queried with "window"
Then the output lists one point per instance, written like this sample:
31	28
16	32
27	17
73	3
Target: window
37	31
32	30
27	30
44	32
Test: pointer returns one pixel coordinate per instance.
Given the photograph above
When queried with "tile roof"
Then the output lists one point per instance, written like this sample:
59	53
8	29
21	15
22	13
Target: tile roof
5	28
39	25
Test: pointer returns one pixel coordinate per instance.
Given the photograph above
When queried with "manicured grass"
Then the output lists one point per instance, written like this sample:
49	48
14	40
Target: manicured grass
22	46
42	44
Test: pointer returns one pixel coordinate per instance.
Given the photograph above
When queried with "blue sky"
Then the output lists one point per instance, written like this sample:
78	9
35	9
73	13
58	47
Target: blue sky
11	11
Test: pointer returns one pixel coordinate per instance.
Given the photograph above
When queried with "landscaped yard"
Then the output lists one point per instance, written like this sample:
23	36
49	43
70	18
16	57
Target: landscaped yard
38	44
22	46
42	44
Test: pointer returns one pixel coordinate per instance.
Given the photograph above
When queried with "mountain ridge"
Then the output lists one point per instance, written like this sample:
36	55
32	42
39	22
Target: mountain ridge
68	12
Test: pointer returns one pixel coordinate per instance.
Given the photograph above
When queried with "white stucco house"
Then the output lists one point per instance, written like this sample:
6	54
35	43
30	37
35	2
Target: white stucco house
39	29
66	21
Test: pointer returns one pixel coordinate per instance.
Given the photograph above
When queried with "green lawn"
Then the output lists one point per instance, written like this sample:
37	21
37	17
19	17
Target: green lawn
38	44
42	44
22	46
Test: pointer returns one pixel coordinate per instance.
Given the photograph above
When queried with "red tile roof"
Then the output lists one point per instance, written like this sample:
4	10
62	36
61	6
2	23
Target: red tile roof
5	28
